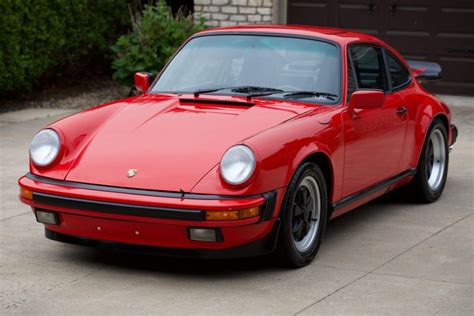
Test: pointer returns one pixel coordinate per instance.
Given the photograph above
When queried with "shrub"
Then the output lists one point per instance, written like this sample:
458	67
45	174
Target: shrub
43	39
156	36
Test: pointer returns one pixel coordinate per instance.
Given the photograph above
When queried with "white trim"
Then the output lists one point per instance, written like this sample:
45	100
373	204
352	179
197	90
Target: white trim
280	11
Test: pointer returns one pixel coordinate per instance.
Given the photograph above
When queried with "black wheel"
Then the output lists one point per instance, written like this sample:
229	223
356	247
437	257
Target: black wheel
428	184
304	216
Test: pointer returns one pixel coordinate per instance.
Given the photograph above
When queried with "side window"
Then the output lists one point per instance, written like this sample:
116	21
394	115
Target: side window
399	75
351	79
368	64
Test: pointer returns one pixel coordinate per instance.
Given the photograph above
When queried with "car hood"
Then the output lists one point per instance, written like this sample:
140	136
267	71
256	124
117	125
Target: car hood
171	143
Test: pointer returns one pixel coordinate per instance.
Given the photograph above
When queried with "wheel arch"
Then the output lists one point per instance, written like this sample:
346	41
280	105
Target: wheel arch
438	117
324	162
443	118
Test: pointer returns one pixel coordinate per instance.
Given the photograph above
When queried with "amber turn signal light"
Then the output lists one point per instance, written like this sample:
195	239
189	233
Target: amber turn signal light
26	194
232	215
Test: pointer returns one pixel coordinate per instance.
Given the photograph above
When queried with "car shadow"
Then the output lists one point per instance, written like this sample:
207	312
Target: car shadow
129	262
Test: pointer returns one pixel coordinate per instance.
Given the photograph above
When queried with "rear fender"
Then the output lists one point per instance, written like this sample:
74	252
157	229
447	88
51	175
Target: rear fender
426	114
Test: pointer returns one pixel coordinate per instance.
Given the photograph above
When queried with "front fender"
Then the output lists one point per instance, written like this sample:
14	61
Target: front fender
76	132
280	150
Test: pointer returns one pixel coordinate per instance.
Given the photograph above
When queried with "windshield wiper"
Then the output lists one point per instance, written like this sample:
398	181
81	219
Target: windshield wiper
305	94
256	91
249	90
253	91
204	91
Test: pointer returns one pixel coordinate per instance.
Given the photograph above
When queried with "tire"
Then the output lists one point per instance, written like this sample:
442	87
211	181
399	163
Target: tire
430	179
303	223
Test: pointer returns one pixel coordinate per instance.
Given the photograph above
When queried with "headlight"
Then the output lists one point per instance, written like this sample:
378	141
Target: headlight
45	147
238	164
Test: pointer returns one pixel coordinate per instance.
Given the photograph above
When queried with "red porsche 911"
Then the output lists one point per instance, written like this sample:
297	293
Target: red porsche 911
247	143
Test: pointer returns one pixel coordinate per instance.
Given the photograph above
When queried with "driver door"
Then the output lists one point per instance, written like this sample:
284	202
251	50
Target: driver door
373	137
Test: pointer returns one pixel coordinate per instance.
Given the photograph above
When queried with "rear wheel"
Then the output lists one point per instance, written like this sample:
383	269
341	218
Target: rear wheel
430	179
304	216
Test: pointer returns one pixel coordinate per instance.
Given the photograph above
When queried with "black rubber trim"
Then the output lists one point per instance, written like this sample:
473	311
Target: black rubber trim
106	188
268	209
214	101
455	133
263	246
372	189
119	208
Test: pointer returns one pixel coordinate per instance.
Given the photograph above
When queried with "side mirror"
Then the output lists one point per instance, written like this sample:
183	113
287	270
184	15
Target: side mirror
366	99
143	81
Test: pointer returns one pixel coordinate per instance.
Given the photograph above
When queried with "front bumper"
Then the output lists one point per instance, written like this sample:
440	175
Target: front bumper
151	220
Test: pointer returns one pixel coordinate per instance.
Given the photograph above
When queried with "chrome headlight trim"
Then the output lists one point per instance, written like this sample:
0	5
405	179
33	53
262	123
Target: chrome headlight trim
45	147
238	165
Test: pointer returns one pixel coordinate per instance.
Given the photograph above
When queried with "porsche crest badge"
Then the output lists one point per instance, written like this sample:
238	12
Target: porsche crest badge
131	173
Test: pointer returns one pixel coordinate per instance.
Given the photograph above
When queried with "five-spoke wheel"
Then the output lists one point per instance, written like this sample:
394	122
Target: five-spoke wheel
435	159
306	213
304	216
428	184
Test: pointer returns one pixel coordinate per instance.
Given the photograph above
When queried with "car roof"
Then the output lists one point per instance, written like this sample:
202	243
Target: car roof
340	36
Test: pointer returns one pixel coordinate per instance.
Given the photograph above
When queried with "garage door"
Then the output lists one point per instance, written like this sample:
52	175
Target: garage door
439	31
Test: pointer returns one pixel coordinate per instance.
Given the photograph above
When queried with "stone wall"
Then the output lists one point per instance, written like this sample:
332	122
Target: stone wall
234	12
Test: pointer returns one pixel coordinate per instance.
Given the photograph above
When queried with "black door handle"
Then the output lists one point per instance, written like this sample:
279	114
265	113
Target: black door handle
401	111
393	6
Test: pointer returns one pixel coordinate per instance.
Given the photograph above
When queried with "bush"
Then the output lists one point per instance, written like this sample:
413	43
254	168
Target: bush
42	39
156	36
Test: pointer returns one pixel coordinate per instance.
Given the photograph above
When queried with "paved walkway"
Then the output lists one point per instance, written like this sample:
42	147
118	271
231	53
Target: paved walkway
388	257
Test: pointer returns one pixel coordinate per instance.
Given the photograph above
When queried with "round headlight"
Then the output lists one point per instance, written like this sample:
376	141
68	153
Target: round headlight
45	147
237	164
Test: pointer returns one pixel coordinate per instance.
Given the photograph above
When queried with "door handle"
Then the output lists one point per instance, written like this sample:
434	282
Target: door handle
371	6
401	111
393	6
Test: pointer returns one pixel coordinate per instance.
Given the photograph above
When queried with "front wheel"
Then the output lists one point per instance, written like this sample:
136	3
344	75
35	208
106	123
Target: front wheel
430	179
304	216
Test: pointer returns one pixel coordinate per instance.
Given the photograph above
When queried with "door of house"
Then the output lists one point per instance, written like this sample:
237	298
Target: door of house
431	30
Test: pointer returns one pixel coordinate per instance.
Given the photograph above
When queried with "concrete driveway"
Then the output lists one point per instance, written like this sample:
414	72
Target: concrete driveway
388	257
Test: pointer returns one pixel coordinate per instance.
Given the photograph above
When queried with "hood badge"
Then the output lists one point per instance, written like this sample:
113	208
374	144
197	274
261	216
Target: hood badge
131	173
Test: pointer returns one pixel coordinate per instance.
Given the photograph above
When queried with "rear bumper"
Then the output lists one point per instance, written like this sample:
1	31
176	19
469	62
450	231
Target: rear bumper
152	223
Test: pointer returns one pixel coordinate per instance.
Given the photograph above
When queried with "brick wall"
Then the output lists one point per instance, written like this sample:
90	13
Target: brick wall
234	12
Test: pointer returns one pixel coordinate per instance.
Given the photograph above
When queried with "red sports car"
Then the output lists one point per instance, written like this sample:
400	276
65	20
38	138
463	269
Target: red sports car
247	143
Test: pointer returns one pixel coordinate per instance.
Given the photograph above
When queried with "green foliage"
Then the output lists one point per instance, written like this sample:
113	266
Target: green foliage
156	36
48	38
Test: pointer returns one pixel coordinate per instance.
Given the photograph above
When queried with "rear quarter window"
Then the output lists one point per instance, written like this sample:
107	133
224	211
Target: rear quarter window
399	75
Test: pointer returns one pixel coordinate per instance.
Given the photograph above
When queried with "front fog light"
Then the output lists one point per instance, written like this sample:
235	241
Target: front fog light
205	234
46	217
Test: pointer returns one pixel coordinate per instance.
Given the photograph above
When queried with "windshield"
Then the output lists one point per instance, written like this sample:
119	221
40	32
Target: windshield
283	63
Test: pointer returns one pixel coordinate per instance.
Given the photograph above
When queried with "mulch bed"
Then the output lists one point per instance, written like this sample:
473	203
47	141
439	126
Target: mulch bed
83	93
